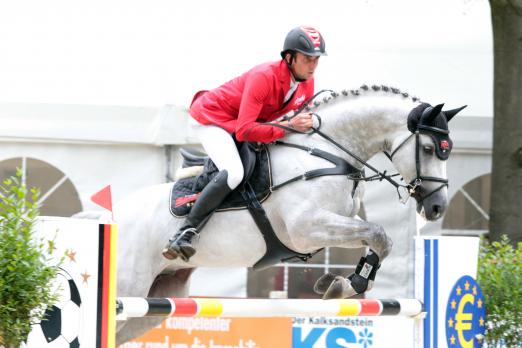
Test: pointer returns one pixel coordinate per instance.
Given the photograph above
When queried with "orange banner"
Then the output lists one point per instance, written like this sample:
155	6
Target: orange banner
199	332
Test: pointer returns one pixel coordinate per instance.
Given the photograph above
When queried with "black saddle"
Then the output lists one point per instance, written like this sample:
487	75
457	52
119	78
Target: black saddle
256	164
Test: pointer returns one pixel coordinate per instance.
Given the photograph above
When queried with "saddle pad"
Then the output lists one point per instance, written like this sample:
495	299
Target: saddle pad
185	192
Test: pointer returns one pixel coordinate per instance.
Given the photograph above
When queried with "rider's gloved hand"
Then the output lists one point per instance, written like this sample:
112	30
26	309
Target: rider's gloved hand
301	122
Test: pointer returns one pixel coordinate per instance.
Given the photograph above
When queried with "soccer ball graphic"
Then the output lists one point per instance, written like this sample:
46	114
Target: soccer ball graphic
61	324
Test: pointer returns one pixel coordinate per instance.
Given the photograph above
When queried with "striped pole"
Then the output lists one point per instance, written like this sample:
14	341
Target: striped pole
132	307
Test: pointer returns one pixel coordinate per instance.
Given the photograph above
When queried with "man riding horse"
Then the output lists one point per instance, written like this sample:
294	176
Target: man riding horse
237	108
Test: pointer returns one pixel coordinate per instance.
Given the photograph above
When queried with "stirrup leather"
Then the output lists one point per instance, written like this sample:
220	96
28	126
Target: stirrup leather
364	272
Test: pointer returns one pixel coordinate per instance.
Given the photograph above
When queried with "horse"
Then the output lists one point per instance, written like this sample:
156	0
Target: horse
306	215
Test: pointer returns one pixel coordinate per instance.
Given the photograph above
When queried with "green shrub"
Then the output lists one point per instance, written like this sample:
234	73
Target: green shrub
25	271
500	277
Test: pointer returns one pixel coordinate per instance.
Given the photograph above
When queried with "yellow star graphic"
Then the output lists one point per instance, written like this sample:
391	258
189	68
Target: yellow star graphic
466	286
450	322
71	255
459	290
481	321
452	339
479	303
85	276
474	289
453	304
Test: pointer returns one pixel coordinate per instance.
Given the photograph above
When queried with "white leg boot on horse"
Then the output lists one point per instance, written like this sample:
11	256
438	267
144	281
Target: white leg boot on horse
211	197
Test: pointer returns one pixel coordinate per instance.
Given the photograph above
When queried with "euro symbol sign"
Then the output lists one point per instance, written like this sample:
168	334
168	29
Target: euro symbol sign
463	321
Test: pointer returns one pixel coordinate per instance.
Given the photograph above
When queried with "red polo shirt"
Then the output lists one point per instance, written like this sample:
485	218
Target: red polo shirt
242	104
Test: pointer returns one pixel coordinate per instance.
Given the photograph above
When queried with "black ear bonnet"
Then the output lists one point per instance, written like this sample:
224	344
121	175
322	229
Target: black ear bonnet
432	121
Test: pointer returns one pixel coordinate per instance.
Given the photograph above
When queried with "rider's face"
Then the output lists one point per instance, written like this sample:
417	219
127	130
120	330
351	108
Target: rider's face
303	66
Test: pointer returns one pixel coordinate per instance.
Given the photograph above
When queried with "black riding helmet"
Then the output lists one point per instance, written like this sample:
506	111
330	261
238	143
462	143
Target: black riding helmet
306	40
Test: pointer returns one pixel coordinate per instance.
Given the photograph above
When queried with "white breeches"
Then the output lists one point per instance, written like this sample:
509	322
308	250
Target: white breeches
220	147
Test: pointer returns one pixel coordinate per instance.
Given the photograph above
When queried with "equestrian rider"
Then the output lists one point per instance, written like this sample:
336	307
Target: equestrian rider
238	107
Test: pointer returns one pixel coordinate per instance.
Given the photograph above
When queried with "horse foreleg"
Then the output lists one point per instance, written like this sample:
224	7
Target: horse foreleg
327	229
334	230
356	283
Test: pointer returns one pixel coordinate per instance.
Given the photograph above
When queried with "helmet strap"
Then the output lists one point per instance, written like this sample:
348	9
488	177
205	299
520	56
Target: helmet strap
289	64
292	58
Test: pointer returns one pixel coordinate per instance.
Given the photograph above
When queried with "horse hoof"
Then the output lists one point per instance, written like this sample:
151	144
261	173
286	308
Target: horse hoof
350	292
322	284
340	288
337	289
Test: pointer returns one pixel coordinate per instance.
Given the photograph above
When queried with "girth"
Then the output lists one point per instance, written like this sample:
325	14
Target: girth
276	251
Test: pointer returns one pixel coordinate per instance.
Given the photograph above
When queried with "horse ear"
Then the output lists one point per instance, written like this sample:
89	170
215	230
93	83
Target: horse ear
433	114
450	113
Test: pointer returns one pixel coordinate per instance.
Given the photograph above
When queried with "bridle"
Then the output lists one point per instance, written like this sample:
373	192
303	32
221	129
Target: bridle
417	181
413	187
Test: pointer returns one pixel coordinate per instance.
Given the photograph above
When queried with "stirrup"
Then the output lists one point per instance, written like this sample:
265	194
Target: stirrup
172	250
364	272
178	236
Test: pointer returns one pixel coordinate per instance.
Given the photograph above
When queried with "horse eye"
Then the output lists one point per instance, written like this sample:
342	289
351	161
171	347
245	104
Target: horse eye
428	149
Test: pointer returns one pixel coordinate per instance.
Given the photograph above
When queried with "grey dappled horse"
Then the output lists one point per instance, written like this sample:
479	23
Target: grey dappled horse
308	214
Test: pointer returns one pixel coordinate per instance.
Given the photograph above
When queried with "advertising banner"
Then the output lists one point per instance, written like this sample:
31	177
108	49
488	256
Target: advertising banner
299	332
359	332
200	332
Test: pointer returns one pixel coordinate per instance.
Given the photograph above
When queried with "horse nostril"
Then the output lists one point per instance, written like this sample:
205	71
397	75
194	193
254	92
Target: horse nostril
437	210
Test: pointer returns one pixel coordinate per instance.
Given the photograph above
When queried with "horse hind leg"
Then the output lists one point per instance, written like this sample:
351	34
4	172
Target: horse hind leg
174	284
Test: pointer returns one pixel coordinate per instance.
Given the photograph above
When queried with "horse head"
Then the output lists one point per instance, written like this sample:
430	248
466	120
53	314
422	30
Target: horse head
420	157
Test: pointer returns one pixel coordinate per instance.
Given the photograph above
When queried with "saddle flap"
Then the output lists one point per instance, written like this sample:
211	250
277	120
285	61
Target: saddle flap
256	162
247	153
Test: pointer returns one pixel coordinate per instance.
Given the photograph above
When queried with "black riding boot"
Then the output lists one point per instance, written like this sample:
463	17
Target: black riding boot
211	197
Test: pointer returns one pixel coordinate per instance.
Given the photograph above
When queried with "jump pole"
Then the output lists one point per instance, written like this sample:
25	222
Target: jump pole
132	307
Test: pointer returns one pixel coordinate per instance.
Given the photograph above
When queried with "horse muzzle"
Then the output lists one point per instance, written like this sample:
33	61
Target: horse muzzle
431	206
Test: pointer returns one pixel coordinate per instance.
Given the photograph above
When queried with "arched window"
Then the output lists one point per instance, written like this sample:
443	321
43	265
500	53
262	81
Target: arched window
58	196
469	207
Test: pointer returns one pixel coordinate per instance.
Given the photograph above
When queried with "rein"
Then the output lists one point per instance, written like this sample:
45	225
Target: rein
412	187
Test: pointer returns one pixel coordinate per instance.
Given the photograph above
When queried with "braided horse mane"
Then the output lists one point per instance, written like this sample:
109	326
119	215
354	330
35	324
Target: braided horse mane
363	90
